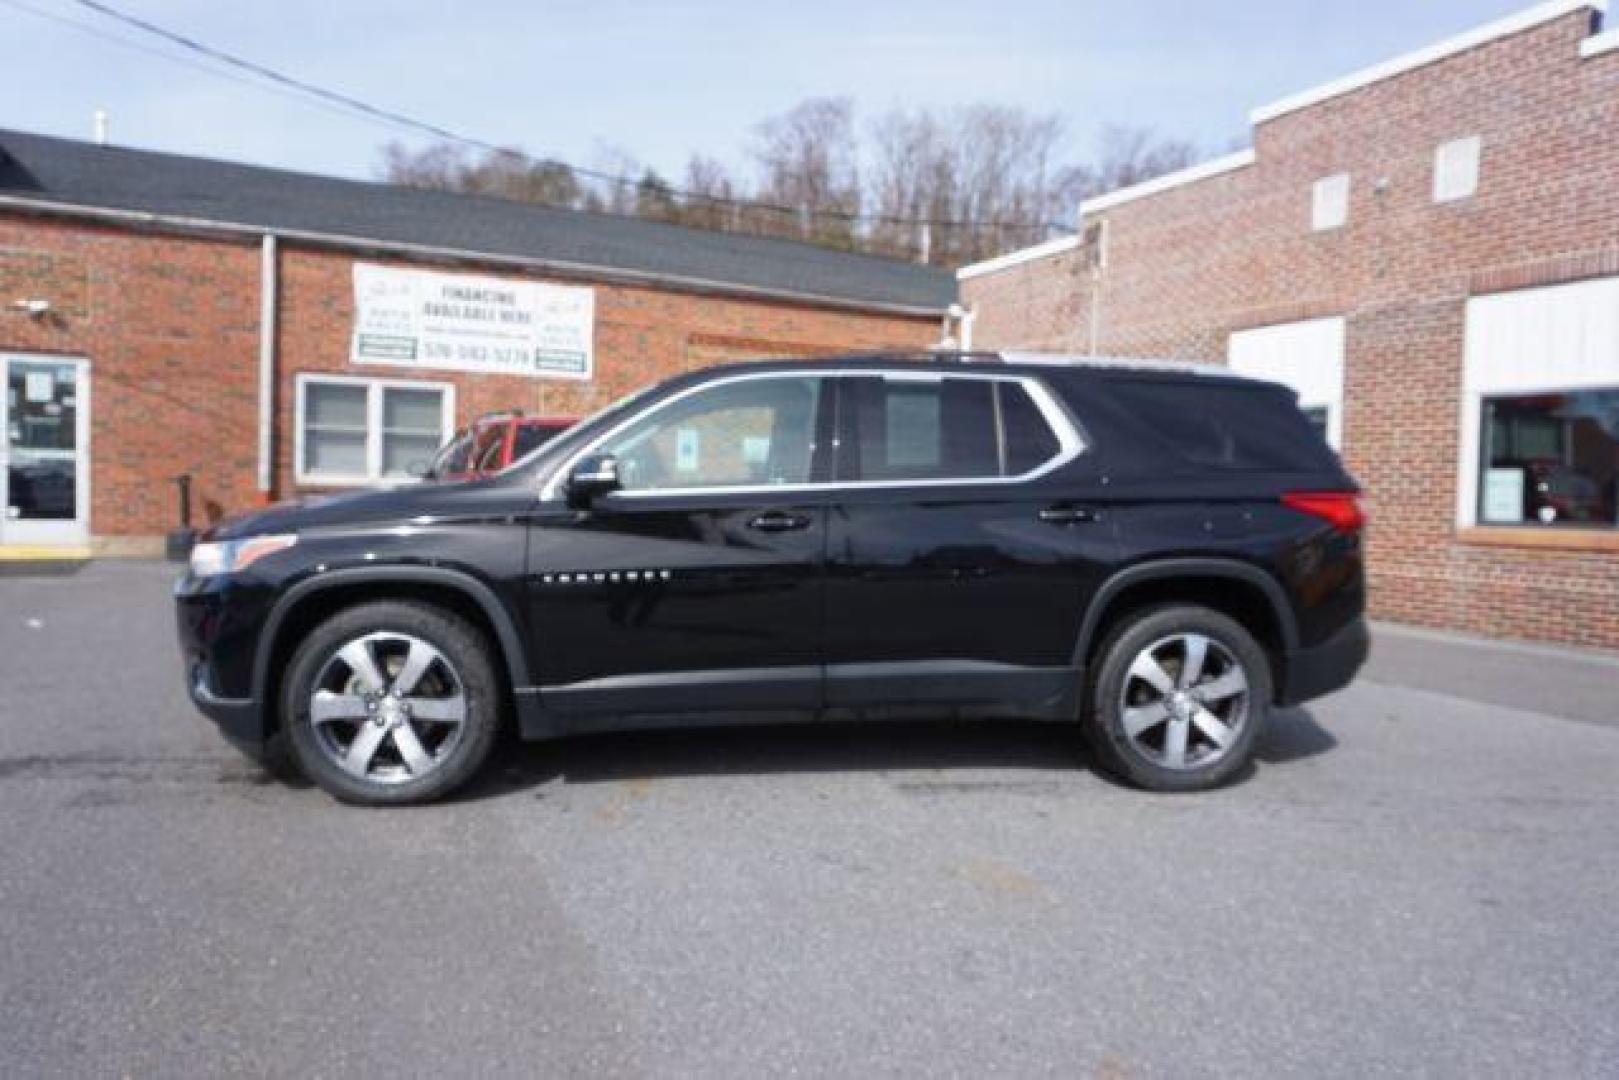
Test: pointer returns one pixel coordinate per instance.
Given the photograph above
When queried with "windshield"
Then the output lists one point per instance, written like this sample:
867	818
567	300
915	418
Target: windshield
452	457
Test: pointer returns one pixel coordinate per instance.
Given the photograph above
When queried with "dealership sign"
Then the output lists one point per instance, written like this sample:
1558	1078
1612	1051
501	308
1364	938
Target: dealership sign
496	326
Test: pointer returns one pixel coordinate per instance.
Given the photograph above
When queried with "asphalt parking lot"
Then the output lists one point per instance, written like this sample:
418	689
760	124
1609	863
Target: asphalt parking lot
1421	875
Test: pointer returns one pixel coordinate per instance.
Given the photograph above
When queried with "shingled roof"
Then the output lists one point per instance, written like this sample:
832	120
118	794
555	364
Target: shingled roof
65	173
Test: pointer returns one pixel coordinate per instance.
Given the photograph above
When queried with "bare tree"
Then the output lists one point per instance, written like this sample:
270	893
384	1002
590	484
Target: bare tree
618	178
439	166
808	163
1128	155
956	186
946	187
711	196
655	199
508	174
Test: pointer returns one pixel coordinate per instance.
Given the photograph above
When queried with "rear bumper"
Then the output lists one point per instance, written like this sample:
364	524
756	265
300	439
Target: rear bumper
1332	665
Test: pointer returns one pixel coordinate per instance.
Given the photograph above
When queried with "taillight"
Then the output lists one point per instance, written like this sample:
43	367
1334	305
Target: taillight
1340	509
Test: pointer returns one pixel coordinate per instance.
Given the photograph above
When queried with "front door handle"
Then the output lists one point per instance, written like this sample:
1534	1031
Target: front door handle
1067	515
775	521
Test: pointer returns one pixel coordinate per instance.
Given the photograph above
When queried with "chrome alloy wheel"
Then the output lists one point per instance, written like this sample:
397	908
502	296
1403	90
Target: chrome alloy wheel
388	708
1185	701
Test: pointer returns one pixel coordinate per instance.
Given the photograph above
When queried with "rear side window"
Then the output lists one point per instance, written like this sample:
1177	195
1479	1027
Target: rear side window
930	428
1228	426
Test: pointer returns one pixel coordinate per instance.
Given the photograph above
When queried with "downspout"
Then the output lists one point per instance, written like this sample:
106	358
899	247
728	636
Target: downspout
1096	308
267	335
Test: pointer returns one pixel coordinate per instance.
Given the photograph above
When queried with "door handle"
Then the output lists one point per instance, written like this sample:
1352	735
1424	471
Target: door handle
1067	515
779	521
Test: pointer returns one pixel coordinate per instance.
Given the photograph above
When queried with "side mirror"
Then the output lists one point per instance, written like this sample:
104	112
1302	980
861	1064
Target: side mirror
594	476
420	469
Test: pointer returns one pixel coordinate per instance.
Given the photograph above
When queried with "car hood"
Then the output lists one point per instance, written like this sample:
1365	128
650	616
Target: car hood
401	504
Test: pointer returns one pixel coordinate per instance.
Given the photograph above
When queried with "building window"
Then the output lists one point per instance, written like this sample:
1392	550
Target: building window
1550	459
1455	169
1329	206
1540	411
369	431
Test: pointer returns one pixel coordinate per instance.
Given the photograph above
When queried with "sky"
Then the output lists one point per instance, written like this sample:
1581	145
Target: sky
662	80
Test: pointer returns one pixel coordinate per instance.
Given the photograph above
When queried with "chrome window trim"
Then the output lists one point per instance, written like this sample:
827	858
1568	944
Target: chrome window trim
1070	444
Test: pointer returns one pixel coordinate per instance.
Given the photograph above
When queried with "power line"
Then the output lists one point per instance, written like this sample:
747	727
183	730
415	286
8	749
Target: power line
333	98
161	54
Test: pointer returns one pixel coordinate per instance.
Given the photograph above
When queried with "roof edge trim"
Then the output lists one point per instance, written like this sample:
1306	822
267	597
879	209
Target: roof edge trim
1202	171
1018	257
1481	35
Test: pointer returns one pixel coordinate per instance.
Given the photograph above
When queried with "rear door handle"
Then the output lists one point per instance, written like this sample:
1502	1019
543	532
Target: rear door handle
1067	515
779	521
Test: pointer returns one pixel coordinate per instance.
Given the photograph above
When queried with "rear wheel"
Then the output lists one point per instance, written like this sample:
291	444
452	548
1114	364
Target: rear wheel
391	703
1179	696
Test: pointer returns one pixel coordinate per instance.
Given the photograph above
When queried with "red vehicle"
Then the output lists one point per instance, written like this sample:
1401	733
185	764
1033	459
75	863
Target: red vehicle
492	442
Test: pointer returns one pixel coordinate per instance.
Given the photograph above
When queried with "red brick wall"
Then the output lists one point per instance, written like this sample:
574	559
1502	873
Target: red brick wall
170	329
170	325
1189	265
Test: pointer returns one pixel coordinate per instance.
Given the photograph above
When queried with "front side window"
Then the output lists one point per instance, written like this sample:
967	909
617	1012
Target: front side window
355	431
1550	459
902	428
749	433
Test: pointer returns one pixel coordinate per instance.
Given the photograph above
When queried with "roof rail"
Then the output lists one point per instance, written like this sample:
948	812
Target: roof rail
940	356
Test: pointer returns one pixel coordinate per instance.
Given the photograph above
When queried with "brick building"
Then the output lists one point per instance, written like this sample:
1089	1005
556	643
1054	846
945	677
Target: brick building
274	333
1428	252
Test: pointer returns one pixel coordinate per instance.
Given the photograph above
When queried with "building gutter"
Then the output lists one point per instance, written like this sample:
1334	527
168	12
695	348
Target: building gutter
560	268
268	309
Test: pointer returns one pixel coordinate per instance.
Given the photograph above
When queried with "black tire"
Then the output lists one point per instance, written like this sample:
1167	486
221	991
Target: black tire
1132	759
464	653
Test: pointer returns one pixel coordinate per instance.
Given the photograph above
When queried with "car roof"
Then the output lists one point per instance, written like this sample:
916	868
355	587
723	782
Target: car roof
1008	363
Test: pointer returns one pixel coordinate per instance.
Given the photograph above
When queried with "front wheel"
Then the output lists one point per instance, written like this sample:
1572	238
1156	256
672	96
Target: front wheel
1179	697
391	703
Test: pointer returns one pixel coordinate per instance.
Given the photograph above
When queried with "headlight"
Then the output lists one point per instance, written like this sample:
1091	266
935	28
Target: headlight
231	556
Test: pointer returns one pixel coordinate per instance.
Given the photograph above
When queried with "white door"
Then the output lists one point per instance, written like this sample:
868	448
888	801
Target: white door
44	455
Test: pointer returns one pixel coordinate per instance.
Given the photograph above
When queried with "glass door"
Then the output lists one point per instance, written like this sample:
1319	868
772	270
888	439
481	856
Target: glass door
44	466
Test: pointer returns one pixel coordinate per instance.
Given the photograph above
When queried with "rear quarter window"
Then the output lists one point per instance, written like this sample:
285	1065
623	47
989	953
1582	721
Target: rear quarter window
1228	425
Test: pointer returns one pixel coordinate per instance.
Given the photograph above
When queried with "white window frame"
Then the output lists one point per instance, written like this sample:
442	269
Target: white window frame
1600	325
1329	203
1456	167
1069	443
375	389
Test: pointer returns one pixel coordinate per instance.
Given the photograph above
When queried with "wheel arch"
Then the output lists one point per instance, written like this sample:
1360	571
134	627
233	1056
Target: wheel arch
315	599
1237	589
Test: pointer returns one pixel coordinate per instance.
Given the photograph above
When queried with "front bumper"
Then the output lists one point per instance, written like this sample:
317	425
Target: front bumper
240	720
218	623
1332	665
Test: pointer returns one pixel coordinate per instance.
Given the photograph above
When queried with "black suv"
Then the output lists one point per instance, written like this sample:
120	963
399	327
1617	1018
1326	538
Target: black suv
1157	553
